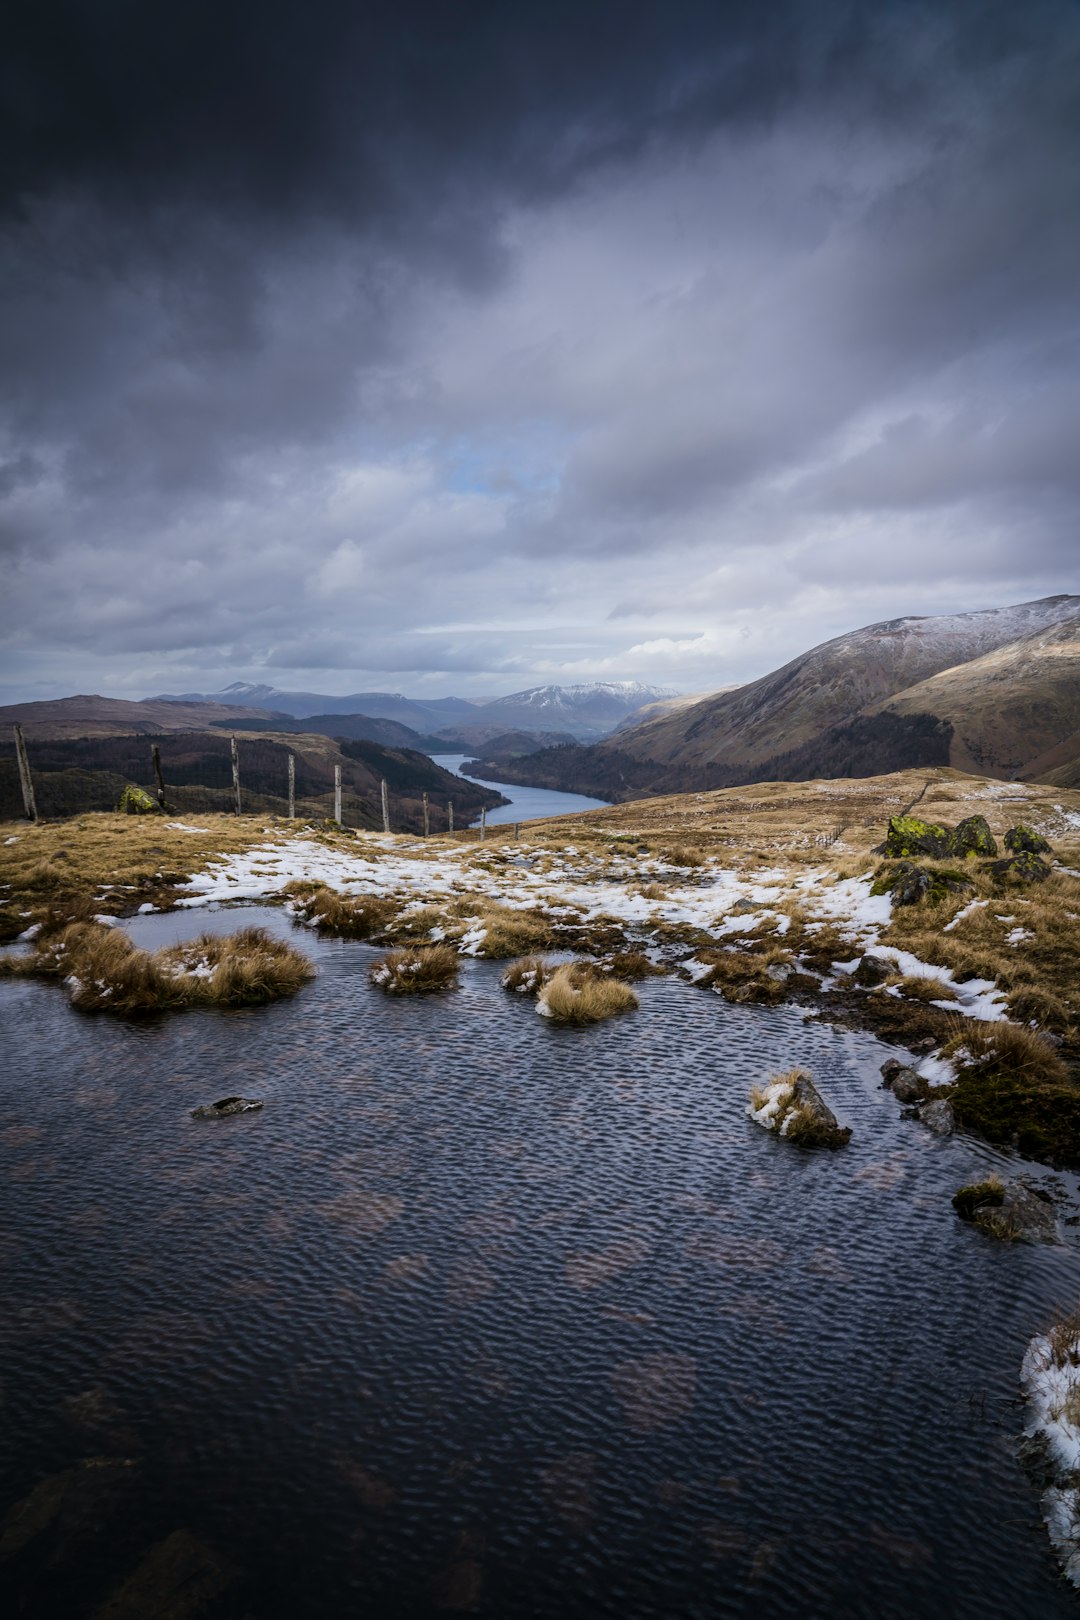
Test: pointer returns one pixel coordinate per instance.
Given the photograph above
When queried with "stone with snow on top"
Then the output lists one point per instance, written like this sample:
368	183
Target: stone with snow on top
792	1106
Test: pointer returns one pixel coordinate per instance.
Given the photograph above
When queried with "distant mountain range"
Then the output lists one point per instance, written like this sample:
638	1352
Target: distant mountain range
586	711
996	691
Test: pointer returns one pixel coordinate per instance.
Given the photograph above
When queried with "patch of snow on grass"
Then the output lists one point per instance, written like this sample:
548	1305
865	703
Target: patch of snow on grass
1050	1380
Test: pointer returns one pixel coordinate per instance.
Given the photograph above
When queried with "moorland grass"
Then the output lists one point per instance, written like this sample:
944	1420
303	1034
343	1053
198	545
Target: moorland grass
416	970
578	993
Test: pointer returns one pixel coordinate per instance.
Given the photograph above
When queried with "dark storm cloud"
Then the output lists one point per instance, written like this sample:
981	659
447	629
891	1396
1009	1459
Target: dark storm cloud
362	314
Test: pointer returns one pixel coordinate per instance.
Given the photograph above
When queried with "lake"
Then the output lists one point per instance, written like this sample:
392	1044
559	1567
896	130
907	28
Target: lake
484	1315
527	803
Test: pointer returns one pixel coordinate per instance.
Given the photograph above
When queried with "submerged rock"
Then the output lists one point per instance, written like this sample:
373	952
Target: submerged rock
226	1106
1025	867
1023	840
178	1579
1017	1215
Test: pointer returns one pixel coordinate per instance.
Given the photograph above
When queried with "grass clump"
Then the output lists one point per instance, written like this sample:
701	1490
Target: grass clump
744	977
527	976
1005	1049
102	971
508	933
977	1195
923	987
631	966
687	855
347	916
1014	1088
578	994
416	970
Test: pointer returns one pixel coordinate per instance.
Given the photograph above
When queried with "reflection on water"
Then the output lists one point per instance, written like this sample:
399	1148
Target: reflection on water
483	1315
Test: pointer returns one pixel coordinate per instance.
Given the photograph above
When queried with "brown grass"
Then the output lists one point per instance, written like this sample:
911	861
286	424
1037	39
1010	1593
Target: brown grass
686	855
103	971
578	994
743	976
631	966
416	970
512	933
527	976
652	891
923	987
354	916
1007	1049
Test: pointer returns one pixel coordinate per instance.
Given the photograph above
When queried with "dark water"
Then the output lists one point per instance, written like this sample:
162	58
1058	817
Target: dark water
483	1314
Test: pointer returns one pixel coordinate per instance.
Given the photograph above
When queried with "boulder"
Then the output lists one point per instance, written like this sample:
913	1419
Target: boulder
872	970
1025	867
226	1106
906	882
135	802
1022	1216
973	837
810	1121
937	1115
906	1086
908	835
1021	840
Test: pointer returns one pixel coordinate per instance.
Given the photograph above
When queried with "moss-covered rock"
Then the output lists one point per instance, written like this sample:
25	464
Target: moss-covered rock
1024	867
908	835
972	1197
135	802
972	837
1022	840
908	883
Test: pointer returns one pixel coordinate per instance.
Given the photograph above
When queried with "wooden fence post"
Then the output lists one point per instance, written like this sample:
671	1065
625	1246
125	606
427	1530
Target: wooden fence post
483	824
155	760
517	829
235	771
427	817
385	808
449	815
337	794
26	781
292	787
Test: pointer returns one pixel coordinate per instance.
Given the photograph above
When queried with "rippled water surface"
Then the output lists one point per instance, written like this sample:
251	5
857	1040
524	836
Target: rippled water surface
483	1315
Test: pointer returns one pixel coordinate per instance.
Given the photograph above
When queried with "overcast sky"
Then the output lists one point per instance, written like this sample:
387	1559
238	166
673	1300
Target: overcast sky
459	347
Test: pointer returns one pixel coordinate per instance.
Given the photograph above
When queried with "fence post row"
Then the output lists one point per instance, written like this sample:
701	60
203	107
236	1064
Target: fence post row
26	781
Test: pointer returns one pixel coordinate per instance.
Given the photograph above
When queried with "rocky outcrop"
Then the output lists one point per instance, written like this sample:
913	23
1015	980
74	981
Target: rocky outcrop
1021	840
226	1106
1025	867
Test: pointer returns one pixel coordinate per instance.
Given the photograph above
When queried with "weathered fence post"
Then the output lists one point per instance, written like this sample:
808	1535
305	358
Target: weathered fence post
427	817
483	824
26	781
235	771
337	794
155	760
292	787
385	808
517	829
449	815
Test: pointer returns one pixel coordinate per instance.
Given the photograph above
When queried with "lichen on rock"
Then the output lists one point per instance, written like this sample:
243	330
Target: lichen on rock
908	835
134	801
1024	840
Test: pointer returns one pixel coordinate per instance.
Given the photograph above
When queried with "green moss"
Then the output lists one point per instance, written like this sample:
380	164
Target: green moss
976	1195
1041	1120
908	835
1021	839
973	838
135	802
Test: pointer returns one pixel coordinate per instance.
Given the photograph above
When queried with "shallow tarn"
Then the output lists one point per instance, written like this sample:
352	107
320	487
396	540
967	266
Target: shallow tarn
479	1313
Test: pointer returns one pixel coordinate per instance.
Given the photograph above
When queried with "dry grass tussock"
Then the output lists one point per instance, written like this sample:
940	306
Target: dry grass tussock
652	891
1006	1049
527	976
508	932
744	976
416	970
1064	1337
685	855
102	971
578	994
352	916
118	861
631	966
922	987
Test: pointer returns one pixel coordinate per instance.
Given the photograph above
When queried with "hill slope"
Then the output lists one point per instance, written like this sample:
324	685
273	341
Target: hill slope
826	713
91	716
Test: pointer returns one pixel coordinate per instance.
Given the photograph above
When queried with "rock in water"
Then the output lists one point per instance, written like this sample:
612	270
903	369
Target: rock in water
973	837
1025	867
1021	840
905	1085
812	1121
1021	1216
226	1106
179	1579
937	1115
